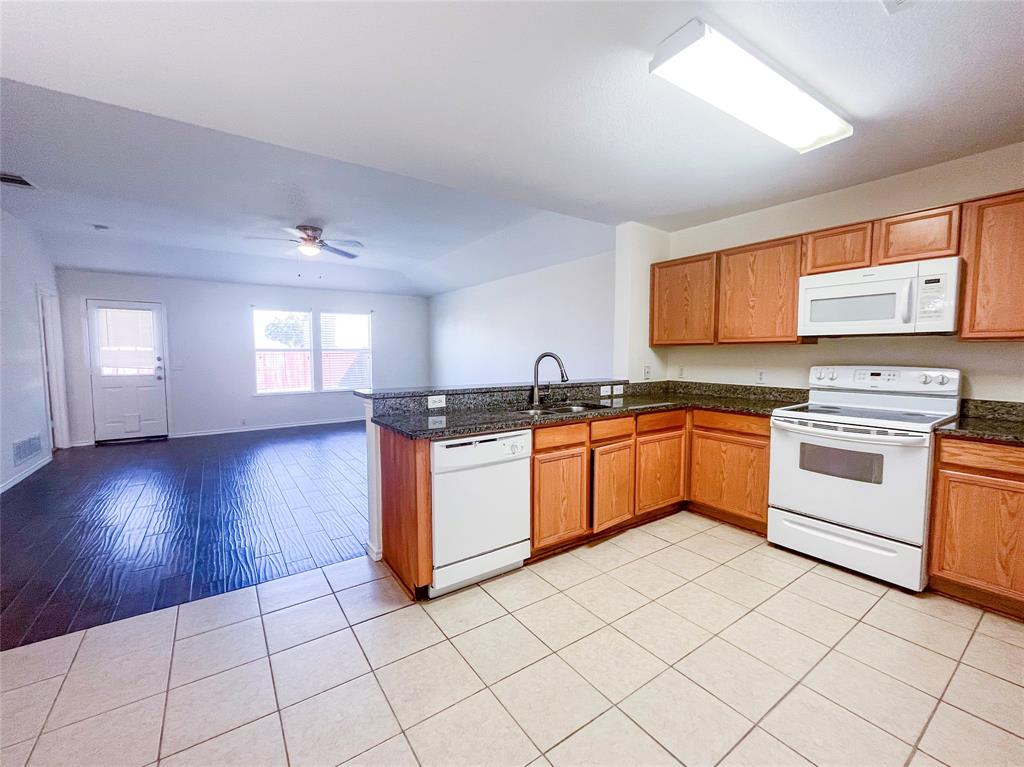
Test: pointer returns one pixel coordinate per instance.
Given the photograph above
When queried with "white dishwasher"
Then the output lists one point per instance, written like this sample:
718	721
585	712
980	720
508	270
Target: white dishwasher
480	496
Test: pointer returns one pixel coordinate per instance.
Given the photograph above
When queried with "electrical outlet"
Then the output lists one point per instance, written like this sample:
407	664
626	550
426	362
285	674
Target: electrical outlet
617	389
435	401
680	369
243	422
606	390
647	372
617	402
759	377
436	421
606	402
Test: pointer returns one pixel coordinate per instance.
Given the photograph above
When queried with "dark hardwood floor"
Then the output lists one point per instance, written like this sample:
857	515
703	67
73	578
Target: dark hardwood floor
104	533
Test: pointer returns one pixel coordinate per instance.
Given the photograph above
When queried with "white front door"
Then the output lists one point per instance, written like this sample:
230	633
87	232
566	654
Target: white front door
129	396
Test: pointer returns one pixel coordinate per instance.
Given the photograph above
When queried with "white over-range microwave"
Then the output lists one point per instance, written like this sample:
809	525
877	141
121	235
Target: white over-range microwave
915	297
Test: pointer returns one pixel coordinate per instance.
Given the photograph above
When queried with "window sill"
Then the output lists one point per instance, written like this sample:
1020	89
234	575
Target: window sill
303	393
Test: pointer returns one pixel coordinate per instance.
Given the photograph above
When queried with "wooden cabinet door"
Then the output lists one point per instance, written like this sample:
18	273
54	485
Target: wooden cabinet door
846	247
730	472
560	480
660	469
683	301
612	495
757	292
993	251
913	236
978	532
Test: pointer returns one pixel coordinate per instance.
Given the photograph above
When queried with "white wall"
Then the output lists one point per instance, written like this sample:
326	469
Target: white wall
24	267
994	370
211	378
492	333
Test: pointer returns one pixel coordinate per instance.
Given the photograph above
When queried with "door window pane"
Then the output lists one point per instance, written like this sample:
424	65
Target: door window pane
845	464
345	351
125	342
881	306
283	351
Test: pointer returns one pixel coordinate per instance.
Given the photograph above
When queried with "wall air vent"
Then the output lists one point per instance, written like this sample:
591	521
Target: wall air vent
14	180
27	448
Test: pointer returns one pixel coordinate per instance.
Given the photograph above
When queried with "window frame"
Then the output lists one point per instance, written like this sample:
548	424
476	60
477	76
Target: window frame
315	350
320	347
256	350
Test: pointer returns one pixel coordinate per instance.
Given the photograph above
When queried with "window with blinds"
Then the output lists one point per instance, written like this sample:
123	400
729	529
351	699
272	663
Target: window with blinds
345	356
284	352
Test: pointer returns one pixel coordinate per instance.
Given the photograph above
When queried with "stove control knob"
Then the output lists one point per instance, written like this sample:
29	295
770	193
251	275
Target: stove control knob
942	380
925	378
833	375
820	375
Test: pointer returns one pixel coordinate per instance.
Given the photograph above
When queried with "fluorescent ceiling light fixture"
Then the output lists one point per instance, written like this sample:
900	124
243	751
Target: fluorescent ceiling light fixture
309	249
703	61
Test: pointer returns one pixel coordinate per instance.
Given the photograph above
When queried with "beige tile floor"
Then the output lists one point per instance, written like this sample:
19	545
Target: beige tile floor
683	641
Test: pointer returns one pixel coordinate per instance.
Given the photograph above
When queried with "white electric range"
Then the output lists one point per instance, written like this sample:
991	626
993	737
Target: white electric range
851	468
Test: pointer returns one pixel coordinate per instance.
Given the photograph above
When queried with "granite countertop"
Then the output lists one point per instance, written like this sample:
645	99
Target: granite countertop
992	429
472	422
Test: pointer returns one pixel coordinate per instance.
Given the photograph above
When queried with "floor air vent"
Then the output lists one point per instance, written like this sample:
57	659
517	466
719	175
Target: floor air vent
27	448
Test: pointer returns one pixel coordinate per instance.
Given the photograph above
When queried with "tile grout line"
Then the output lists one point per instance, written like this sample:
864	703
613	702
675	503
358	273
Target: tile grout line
167	686
939	698
789	692
270	670
53	703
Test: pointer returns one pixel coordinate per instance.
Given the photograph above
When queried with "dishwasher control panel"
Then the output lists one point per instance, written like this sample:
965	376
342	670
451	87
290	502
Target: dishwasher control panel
463	452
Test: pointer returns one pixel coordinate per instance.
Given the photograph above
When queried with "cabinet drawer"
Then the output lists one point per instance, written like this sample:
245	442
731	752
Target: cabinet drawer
736	422
610	428
981	455
559	436
671	419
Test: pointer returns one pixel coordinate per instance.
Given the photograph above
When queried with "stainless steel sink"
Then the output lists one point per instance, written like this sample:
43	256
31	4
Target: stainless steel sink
533	411
576	407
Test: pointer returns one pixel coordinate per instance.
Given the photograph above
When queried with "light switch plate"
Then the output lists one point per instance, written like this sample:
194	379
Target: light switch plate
606	390
647	372
617	389
606	402
437	421
435	401
617	402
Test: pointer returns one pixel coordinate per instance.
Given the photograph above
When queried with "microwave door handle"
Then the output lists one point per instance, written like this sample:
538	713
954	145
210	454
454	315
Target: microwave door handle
905	301
846	436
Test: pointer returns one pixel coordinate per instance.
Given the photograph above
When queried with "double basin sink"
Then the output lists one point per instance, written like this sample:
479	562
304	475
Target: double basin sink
563	407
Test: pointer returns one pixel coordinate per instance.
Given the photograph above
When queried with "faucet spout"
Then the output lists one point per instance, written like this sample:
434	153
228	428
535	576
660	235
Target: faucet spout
535	396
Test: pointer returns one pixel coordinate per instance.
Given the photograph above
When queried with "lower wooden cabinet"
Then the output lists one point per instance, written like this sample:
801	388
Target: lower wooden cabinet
561	480
977	534
612	493
660	469
729	472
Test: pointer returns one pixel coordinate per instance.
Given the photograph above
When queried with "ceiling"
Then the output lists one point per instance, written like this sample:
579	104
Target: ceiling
544	105
181	200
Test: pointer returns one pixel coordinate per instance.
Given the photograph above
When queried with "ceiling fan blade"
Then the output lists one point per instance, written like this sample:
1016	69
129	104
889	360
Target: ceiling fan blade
273	239
293	232
347	243
337	251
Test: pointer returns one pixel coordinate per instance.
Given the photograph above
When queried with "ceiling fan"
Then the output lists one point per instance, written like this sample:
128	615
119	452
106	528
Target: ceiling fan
310	241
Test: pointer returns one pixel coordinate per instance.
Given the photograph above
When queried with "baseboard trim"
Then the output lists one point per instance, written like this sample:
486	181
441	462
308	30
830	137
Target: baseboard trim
375	553
208	432
32	469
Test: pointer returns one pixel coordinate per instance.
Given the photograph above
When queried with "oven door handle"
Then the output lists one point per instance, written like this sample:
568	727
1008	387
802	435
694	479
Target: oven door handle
867	439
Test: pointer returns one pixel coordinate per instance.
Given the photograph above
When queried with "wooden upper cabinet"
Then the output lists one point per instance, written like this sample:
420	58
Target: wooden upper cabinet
660	469
757	292
978	534
612	495
560	499
683	301
845	247
913	236
729	472
993	249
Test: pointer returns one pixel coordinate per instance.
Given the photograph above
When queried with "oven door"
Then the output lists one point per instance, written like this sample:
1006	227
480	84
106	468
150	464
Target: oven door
835	305
877	483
